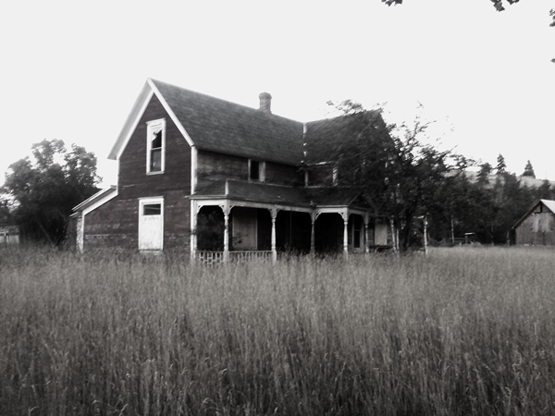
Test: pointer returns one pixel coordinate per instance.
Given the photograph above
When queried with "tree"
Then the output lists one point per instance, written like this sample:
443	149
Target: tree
501	165
529	170
5	215
45	188
498	4
484	173
544	191
400	174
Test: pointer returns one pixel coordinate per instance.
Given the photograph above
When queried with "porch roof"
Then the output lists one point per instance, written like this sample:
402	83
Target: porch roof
334	196
254	192
282	195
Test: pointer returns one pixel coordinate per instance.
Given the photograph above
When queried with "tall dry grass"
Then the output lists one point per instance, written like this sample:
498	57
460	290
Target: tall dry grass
460	332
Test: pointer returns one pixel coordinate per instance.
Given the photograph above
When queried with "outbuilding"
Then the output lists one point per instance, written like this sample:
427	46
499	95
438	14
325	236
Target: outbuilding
537	226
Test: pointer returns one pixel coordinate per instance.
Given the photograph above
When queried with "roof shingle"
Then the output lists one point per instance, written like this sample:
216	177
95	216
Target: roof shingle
225	127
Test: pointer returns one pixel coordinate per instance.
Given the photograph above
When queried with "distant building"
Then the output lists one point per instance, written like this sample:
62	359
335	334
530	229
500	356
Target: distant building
537	226
9	234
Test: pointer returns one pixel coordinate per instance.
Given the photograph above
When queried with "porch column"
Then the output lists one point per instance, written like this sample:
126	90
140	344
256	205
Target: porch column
194	220
226	210
345	216
366	242
313	217
273	213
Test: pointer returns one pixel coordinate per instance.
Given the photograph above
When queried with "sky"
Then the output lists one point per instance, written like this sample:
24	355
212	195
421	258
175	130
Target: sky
72	70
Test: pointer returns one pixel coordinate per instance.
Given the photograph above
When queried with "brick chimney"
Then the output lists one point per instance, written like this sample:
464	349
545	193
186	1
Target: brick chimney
265	102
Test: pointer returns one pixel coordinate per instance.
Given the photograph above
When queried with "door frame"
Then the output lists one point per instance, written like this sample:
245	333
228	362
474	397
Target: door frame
151	201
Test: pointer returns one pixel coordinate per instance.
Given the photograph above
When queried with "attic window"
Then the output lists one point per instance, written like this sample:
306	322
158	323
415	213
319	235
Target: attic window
257	170
156	140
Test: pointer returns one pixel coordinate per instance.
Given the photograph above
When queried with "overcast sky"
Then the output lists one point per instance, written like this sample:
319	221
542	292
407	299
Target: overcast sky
72	70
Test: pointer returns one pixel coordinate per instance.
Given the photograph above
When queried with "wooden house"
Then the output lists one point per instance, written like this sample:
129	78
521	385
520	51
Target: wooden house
537	226
215	179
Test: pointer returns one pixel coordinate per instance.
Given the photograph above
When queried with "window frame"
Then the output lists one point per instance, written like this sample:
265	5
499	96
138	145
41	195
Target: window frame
152	127
261	171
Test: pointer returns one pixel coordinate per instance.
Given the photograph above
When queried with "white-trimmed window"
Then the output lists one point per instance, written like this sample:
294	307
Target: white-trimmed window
155	146
257	171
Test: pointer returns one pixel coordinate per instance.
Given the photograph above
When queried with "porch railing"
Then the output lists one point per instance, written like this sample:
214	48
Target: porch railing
217	257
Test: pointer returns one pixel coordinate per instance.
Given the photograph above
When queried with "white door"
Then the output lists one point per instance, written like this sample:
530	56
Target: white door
151	224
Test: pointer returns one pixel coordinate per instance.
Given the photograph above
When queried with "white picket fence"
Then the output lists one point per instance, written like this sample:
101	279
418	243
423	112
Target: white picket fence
217	257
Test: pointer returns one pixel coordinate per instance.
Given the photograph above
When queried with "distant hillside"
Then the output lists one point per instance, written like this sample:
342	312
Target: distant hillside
524	180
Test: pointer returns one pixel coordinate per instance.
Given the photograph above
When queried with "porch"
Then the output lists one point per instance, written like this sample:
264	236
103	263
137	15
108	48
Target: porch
260	221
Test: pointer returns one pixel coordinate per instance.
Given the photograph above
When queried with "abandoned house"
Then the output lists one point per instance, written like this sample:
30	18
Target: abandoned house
218	180
537	226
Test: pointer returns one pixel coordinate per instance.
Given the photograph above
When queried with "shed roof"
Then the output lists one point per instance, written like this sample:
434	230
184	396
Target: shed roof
549	204
93	199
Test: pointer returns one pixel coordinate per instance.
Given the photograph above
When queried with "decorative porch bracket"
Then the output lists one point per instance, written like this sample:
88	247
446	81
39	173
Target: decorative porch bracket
345	215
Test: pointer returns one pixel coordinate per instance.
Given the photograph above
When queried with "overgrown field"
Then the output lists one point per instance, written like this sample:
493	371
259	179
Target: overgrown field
461	332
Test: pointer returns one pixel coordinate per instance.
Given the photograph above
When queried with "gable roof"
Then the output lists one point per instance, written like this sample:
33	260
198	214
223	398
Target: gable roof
94	199
221	126
549	204
326	139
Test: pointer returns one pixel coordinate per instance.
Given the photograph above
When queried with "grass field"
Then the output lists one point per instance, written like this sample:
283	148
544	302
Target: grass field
464	331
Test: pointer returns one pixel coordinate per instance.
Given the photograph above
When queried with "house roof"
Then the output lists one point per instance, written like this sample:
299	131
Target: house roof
93	199
326	139
547	202
332	196
217	125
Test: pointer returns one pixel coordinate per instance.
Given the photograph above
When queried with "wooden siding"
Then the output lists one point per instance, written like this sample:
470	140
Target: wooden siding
283	174
115	224
213	167
538	228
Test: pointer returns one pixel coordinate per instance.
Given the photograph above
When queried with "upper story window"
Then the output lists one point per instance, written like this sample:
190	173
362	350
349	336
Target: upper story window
257	171
156	143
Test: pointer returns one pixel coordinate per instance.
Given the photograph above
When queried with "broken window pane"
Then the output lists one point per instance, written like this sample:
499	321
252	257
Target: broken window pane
157	140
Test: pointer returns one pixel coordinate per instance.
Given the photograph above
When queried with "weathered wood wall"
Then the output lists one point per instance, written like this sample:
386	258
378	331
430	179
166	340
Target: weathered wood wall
115	224
213	167
537	229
